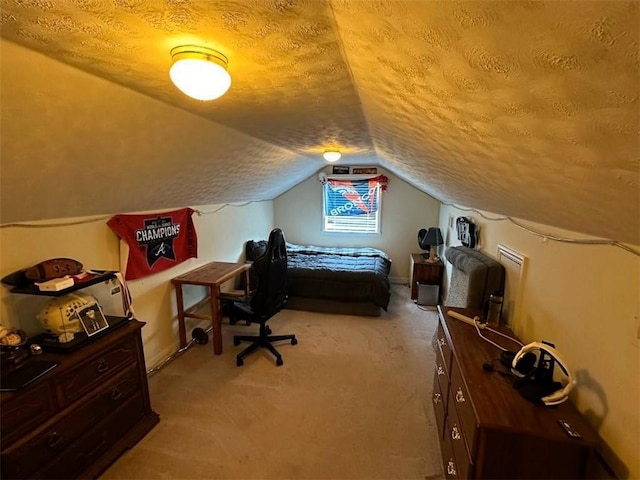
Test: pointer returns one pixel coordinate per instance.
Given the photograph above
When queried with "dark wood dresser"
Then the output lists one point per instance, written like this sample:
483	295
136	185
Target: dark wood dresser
487	429
74	421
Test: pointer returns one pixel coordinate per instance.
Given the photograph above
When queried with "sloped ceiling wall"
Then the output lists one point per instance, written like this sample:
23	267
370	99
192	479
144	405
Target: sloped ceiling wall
78	145
522	108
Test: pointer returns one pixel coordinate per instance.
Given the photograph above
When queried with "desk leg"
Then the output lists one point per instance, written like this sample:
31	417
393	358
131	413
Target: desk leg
246	283
181	325
216	323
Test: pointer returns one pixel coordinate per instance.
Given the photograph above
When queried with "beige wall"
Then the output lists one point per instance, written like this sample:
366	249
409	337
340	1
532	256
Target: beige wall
221	236
405	210
585	300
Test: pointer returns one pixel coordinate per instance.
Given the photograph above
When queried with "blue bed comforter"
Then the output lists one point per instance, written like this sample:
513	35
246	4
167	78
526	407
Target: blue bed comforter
335	273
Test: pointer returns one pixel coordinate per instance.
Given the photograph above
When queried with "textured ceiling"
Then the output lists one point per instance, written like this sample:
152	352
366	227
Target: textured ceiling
523	108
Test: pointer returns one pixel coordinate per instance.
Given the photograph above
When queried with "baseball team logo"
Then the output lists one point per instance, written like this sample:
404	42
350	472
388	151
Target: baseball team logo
156	241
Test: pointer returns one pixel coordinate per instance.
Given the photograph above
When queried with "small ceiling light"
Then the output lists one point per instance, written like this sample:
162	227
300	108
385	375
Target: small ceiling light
199	72
331	155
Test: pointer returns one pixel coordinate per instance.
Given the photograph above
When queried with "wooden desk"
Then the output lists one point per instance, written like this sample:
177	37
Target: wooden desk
211	275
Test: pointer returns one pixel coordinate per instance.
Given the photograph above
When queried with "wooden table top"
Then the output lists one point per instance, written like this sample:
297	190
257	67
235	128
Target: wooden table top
211	274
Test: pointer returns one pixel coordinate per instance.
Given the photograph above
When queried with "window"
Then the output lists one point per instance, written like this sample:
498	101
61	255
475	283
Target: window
352	204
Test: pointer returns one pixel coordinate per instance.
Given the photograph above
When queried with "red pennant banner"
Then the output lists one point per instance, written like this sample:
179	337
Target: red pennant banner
157	241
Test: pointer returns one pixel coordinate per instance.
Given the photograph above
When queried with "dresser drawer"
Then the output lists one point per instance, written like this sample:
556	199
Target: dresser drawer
442	371
443	345
460	401
87	376
22	459
439	400
81	454
455	438
25	412
449	465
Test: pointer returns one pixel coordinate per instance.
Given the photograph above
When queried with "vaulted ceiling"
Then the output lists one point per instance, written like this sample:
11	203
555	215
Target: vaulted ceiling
522	108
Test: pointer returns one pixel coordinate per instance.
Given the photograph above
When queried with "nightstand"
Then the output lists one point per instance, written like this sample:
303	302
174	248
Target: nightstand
424	272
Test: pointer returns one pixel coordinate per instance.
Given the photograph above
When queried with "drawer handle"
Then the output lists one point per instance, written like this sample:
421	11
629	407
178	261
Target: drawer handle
436	398
53	440
460	396
451	467
442	341
455	433
116	394
440	370
103	366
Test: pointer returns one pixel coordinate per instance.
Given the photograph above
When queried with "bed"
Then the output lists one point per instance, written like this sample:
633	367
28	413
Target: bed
353	281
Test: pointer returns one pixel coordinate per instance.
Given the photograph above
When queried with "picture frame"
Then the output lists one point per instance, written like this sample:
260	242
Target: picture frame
340	170
364	170
92	319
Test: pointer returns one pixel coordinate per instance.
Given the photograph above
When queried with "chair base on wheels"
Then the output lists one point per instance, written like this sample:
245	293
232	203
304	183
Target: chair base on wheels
263	340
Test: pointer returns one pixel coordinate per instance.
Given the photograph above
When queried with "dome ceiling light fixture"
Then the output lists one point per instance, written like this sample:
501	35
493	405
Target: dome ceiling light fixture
199	72
332	155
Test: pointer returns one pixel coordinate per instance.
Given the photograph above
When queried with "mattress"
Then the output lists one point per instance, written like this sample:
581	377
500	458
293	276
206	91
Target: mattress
347	274
334	273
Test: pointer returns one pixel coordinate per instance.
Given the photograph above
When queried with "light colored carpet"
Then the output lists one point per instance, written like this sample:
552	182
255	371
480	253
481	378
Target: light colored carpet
352	401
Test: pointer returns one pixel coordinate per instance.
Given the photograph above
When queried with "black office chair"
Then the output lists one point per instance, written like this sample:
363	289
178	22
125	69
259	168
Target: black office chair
269	297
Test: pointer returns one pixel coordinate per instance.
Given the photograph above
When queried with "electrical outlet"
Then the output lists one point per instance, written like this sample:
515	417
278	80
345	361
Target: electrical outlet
115	290
451	223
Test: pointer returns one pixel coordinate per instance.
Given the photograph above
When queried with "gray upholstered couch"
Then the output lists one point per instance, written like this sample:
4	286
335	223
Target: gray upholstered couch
474	277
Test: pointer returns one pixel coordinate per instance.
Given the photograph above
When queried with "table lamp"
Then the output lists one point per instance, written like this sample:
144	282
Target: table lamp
433	239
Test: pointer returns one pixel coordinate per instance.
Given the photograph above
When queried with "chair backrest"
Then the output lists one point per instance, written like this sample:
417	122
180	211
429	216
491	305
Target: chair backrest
270	295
